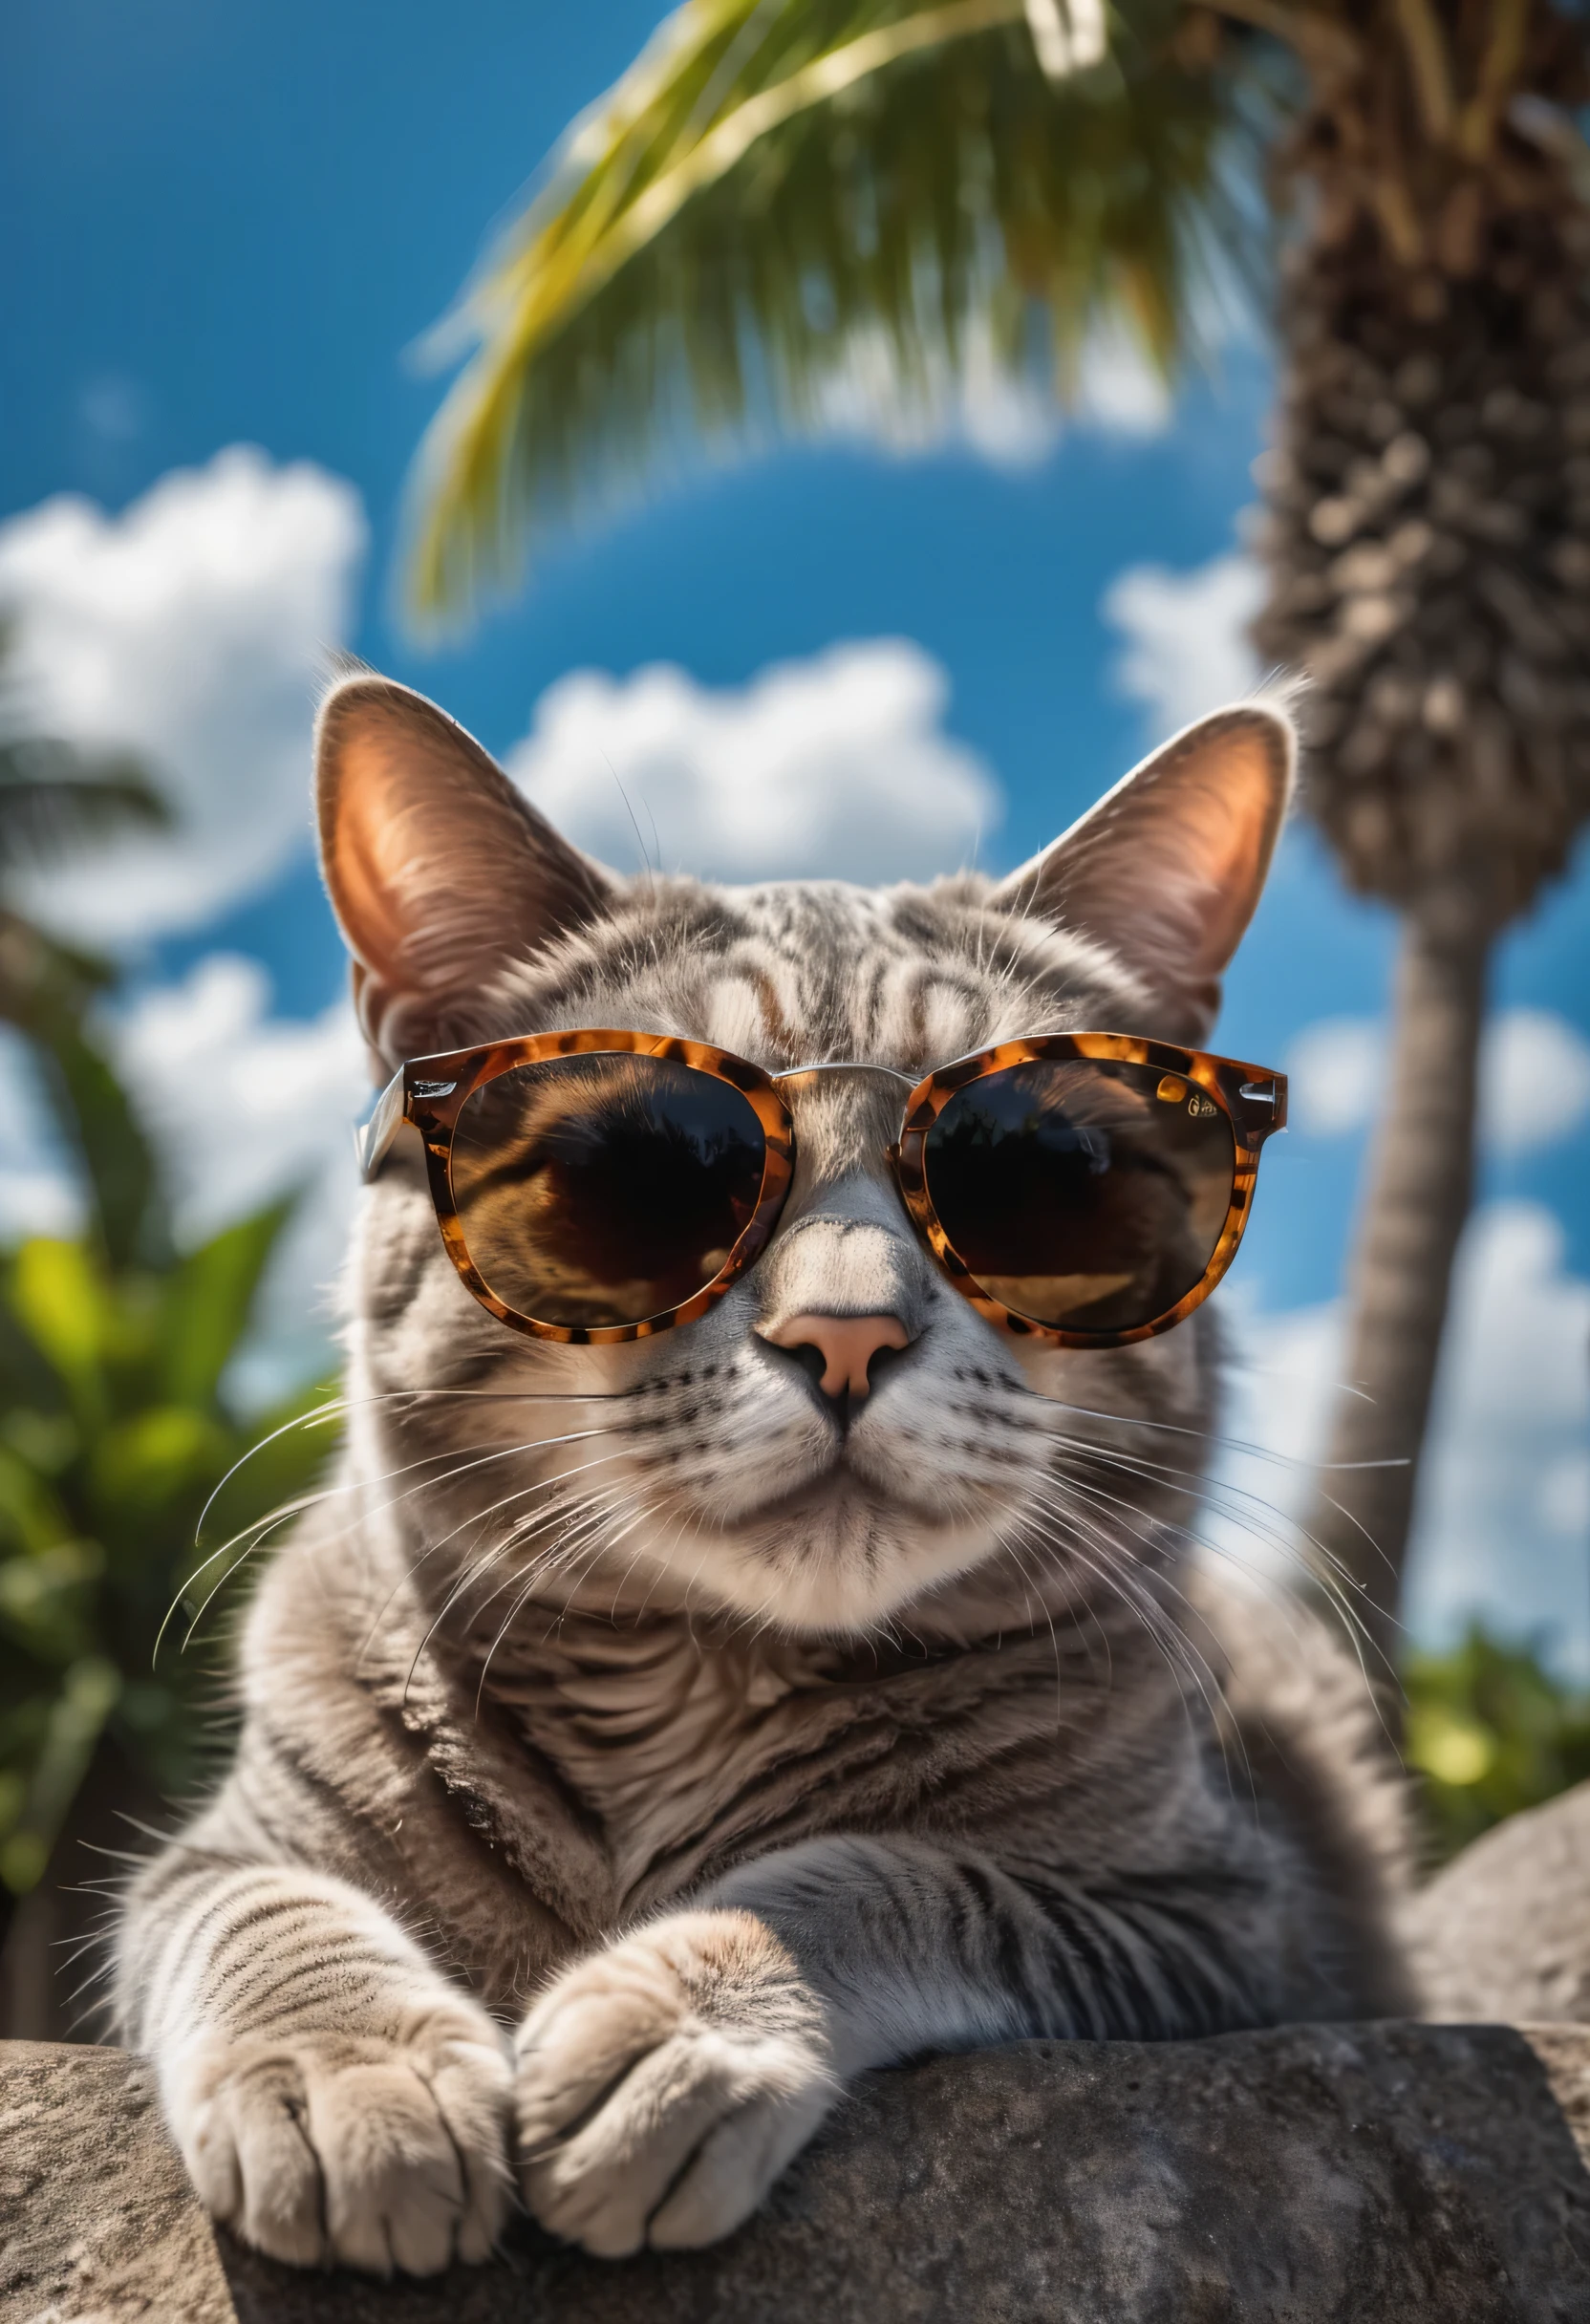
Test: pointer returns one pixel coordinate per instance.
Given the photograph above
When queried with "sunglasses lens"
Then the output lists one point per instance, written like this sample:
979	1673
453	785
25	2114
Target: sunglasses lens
599	1190
1084	1193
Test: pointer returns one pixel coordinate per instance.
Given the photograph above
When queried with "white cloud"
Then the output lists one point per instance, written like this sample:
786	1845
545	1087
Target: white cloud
1334	1071
246	1107
1009	419
1187	648
242	1108
1564	1494
1533	1079
244	1103
836	766
1504	1503
191	628
1502	1519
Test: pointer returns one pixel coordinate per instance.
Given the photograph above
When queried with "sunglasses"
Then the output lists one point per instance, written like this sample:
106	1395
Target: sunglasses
1088	1188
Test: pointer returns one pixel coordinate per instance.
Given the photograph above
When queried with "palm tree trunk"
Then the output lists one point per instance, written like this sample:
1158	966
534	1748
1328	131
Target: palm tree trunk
1420	1187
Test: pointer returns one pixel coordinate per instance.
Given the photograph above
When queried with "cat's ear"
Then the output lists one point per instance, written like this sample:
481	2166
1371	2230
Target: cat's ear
1166	871
438	872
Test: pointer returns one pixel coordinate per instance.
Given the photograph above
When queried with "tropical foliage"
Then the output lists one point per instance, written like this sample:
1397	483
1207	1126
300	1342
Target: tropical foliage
115	1433
56	800
115	1422
1489	1729
781	207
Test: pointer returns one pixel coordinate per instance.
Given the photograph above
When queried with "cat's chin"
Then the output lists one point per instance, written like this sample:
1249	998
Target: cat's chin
834	1555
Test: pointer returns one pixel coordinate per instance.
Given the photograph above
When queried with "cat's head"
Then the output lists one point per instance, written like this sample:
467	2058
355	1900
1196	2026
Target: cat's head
708	1471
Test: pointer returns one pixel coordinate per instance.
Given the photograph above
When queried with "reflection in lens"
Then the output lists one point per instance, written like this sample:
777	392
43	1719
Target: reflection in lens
1084	1193
596	1190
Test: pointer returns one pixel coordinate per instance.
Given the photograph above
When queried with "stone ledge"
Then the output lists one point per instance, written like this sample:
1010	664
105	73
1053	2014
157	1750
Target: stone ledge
1397	2173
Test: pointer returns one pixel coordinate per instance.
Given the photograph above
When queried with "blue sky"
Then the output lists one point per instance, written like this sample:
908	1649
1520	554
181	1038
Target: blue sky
232	225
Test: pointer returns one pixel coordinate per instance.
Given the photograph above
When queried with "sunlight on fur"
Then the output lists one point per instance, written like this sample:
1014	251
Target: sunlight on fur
640	1741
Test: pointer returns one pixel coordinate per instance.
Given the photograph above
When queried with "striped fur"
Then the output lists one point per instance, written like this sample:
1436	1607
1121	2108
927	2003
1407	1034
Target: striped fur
628	1758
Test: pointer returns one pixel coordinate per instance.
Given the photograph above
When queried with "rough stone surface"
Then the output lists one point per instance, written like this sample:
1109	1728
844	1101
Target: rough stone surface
98	2221
1426	2174
1504	1931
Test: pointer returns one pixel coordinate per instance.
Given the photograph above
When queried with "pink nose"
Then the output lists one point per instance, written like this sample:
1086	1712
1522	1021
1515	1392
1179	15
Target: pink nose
846	1343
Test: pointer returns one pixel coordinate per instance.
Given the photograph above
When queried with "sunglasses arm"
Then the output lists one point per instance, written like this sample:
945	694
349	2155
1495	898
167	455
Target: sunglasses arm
373	1141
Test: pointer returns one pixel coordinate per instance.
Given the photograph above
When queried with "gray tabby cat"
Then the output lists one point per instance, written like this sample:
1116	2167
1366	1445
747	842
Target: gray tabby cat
641	1740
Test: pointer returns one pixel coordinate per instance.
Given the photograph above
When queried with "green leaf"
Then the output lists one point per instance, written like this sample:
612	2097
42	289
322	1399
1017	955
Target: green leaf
156	1461
77	1716
46	1442
45	1600
57	801
1455	1751
1491	1731
789	206
117	1157
29	1512
43	981
59	798
209	1299
60	1298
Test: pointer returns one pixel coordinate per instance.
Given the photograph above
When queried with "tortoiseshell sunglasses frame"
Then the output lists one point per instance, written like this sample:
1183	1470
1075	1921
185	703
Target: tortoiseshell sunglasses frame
431	1093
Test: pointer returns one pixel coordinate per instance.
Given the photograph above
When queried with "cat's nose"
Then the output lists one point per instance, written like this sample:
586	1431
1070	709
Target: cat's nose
847	1344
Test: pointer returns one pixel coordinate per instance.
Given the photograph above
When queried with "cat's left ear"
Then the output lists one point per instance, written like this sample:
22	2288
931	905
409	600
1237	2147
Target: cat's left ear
1166	871
440	871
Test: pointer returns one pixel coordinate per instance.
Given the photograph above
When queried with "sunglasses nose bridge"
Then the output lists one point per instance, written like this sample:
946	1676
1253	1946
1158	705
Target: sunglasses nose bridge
848	1120
846	1242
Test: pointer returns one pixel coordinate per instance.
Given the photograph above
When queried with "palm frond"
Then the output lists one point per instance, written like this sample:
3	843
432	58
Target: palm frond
55	799
781	192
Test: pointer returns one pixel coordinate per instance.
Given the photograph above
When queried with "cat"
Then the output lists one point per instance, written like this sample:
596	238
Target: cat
640	1740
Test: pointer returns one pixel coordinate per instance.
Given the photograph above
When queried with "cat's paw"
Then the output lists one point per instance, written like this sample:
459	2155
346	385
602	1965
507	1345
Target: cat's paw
664	2083
353	2150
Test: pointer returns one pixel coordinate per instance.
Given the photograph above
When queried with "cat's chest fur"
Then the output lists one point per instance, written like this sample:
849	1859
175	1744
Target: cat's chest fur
654	1728
686	1752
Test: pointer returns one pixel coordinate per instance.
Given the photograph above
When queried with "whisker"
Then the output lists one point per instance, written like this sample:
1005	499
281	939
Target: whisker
522	1600
475	1572
263	1527
1170	1639
1208	1483
338	1406
1208	1436
478	1517
1207	1486
1326	1571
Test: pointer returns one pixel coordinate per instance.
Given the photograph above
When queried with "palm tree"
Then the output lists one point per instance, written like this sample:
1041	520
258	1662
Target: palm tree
783	201
57	800
115	1425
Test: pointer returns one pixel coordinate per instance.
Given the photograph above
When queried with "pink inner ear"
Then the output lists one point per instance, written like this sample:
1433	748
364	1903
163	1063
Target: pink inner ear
366	855
1223	817
439	872
1167	870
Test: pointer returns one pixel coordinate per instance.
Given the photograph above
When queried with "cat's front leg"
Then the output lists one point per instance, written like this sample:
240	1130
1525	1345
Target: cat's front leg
664	2082
334	2098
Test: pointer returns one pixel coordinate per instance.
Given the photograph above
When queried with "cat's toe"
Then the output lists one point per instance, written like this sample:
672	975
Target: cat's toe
378	2155
403	2191
252	2162
664	2083
732	2169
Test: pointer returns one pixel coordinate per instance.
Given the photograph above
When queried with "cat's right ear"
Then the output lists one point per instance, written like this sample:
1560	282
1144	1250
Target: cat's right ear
439	872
